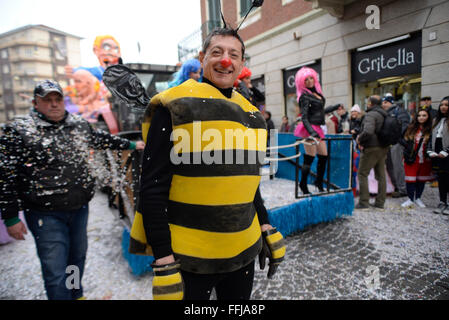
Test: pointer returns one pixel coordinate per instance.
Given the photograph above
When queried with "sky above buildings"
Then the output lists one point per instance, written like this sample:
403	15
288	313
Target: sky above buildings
157	25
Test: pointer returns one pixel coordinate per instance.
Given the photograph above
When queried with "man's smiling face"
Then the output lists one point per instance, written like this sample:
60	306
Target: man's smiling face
225	49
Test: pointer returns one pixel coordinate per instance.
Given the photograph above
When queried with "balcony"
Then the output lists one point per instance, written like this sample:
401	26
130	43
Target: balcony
33	58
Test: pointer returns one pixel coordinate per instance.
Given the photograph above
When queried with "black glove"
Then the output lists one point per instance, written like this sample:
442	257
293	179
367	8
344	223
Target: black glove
167	282
273	248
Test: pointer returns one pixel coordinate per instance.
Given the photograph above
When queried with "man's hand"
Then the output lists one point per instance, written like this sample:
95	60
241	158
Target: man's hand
167	280
18	231
140	145
273	248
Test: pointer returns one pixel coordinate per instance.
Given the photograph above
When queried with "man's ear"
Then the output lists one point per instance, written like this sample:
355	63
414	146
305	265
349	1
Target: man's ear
201	56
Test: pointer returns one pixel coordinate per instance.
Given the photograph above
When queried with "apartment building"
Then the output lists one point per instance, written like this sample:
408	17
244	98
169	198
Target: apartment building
30	54
358	47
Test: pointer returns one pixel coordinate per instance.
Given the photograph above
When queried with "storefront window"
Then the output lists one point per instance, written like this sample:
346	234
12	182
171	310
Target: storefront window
393	68
406	90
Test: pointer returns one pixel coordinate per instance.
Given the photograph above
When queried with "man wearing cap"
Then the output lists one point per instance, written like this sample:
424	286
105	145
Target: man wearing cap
44	171
394	163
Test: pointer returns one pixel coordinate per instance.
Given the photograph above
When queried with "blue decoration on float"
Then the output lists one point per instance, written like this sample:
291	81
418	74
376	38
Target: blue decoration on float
312	210
139	264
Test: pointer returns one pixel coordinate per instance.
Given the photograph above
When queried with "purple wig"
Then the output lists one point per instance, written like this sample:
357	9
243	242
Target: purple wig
300	79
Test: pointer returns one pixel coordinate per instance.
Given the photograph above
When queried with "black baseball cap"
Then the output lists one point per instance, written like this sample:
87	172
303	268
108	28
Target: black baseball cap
46	86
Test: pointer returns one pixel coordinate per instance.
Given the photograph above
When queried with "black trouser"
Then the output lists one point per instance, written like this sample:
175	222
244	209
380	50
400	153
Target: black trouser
443	185
236	285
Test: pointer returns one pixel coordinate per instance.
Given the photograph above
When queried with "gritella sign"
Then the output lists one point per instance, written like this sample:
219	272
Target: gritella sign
400	58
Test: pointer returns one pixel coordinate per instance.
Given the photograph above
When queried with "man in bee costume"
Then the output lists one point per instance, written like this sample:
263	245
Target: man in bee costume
204	221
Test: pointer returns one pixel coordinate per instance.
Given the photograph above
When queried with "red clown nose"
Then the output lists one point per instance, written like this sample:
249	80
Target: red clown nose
226	62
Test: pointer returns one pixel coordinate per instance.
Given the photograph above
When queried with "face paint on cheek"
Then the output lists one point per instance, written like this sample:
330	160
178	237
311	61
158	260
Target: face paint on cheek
226	62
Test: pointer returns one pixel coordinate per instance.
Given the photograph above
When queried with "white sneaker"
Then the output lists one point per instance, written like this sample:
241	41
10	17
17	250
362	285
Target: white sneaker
408	204
420	203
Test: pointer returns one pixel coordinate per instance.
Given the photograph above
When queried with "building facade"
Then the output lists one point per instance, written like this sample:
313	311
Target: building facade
30	54
358	48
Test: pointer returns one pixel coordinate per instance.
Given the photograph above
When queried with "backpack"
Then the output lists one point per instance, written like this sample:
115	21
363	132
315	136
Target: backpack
391	130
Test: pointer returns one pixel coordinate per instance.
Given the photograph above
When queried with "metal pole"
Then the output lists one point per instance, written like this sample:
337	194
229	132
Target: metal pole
296	172
328	165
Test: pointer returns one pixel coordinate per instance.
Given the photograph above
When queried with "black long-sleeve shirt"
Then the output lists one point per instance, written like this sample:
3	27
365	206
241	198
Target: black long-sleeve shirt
157	173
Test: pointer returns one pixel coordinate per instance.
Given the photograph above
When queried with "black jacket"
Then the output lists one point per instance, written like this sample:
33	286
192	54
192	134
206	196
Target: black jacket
372	122
253	95
44	165
313	111
356	125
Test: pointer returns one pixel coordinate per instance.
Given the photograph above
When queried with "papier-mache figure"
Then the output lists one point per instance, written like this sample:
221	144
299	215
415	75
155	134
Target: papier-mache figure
88	94
107	50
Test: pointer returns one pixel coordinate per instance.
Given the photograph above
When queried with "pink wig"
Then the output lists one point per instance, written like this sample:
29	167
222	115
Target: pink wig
300	79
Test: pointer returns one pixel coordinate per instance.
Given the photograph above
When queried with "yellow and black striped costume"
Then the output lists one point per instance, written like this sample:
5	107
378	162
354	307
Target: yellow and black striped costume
213	222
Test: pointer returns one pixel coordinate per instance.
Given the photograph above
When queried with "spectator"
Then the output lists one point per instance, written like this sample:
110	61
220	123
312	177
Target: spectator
343	120
395	165
270	124
354	129
285	126
373	155
418	167
44	171
191	69
426	102
438	151
355	122
245	87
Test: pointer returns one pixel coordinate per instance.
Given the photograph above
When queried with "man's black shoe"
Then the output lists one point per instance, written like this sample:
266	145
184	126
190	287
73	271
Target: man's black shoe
397	194
361	206
376	206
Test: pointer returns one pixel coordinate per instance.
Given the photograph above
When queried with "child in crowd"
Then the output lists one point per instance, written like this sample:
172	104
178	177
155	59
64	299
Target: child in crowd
418	167
438	150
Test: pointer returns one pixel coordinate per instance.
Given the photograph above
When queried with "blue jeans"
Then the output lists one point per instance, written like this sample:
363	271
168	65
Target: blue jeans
61	241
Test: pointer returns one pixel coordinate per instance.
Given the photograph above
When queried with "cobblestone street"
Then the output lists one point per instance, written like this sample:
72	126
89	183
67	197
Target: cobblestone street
393	253
407	250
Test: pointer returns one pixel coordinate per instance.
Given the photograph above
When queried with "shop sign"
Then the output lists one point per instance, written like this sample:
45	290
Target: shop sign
289	76
403	57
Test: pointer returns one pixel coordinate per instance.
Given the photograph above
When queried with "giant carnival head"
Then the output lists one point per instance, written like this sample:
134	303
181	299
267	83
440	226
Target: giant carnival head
306	80
85	83
107	50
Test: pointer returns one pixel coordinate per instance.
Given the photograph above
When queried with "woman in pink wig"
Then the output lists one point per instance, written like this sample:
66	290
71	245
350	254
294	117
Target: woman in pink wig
311	103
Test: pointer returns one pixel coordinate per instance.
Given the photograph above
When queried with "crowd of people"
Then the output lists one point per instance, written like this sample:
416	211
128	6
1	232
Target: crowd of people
417	155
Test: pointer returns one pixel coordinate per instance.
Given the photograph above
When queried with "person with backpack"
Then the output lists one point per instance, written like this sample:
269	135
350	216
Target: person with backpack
395	166
373	153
